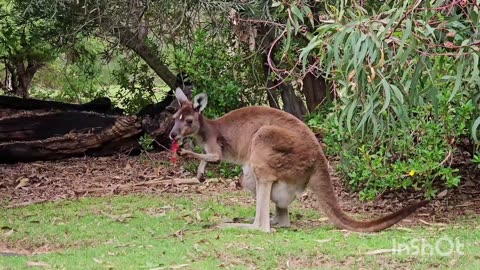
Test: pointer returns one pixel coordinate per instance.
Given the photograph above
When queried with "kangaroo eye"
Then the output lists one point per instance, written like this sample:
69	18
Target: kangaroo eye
189	122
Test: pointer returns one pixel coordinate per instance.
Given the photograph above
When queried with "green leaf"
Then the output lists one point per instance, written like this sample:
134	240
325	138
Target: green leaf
297	12
475	73
475	126
367	112
458	80
430	30
475	100
339	41
386	91
328	61
296	25
403	56
363	51
375	124
398	94
416	76
289	37
351	109
309	14
392	20
276	4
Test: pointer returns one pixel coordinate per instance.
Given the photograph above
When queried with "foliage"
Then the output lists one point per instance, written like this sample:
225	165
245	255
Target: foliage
23	38
136	84
415	156
77	72
396	68
146	142
404	74
223	74
68	61
223	169
25	46
476	160
230	171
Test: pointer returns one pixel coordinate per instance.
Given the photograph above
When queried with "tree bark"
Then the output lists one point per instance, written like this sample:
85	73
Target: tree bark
291	102
315	91
21	76
115	135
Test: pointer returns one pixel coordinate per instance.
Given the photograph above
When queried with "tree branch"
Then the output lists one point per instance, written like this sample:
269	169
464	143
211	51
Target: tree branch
130	40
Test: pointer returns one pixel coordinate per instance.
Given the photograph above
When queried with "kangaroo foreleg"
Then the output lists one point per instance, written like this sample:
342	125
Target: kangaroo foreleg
203	157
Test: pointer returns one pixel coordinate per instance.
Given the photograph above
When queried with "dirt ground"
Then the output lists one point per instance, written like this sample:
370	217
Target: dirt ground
28	183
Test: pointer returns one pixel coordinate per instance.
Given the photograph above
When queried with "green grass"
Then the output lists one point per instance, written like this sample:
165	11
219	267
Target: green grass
148	232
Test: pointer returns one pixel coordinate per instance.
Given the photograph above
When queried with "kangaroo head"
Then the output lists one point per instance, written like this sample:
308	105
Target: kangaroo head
187	121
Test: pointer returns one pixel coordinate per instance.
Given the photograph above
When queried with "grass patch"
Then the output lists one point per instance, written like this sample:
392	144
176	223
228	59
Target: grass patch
148	232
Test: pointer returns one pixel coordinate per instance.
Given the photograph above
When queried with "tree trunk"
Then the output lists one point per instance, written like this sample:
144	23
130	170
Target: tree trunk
315	91
291	102
272	96
20	76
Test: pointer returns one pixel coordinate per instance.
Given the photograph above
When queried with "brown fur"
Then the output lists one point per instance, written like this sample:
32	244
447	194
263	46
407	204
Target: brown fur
280	155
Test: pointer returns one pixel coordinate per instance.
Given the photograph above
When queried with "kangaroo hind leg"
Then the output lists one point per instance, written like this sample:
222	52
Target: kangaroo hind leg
262	213
283	194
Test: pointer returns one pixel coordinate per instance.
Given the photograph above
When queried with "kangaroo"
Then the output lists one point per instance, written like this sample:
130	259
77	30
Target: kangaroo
279	156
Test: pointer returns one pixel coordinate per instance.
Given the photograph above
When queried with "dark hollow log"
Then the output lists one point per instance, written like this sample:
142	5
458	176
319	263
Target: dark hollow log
36	130
119	132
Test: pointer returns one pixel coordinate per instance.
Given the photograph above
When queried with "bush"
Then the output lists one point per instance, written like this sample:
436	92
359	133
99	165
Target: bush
414	156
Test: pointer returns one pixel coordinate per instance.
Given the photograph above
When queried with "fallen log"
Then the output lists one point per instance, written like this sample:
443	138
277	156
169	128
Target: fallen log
115	134
100	105
33	130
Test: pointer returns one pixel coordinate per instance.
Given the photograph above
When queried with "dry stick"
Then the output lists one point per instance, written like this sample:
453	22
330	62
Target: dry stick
175	181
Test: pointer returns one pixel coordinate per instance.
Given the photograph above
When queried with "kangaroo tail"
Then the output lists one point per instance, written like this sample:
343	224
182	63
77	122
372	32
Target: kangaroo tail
321	184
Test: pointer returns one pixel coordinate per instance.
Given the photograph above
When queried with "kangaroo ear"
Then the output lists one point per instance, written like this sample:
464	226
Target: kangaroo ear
181	97
200	102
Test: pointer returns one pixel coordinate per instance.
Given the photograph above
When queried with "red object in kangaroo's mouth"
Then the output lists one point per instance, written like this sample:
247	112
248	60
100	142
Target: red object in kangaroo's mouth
174	149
